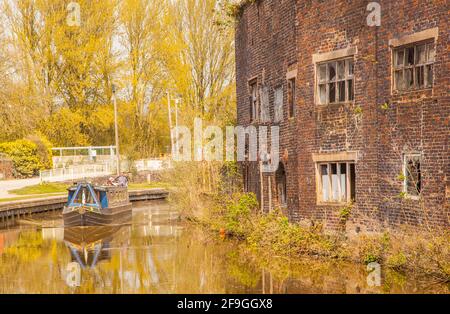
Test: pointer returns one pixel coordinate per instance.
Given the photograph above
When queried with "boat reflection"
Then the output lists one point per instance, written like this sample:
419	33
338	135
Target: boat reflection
90	245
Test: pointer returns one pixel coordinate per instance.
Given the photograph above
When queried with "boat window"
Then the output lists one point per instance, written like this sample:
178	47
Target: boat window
84	197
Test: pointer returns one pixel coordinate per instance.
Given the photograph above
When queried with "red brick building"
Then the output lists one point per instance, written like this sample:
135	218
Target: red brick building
6	168
365	109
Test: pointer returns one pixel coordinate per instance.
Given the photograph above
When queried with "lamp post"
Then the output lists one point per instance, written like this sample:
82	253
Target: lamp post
177	101
173	137
169	109
116	129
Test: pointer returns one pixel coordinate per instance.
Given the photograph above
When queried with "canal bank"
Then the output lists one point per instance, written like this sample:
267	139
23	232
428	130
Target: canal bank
406	252
17	209
159	253
219	205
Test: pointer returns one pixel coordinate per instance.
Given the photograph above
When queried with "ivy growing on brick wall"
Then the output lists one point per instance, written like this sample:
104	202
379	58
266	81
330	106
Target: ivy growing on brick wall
235	7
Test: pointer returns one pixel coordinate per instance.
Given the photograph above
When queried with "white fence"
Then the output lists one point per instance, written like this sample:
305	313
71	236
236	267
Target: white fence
152	164
100	170
76	172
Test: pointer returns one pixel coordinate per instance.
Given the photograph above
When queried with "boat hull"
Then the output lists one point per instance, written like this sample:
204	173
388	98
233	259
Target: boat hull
114	216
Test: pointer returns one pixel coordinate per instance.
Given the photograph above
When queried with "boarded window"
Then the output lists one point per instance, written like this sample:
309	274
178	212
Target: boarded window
254	104
413	174
337	182
247	147
278	104
264	98
335	82
291	97
281	185
246	176
413	66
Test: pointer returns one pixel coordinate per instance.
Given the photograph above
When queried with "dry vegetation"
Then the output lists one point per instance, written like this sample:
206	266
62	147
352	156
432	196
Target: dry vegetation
222	208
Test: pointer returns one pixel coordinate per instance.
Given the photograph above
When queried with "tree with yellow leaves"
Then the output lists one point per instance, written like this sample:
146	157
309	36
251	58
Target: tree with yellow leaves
57	78
200	58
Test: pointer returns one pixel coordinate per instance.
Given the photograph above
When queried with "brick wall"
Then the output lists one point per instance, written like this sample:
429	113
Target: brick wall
6	168
268	26
274	37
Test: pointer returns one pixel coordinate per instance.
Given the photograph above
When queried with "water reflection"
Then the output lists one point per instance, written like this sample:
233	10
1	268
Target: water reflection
156	253
89	245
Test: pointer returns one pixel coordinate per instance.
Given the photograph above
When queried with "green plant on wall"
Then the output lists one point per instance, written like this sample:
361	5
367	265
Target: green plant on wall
385	106
403	195
345	212
358	110
401	177
234	8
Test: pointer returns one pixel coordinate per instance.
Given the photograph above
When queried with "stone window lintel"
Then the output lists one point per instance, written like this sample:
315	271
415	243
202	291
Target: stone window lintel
431	33
336	54
335	157
292	74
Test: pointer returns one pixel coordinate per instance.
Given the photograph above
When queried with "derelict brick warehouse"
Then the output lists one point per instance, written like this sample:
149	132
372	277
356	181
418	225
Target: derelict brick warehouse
364	111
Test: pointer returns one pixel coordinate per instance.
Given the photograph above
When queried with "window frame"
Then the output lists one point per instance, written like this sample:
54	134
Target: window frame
246	178
247	147
278	104
254	100
406	158
404	67
281	186
348	181
291	97
327	81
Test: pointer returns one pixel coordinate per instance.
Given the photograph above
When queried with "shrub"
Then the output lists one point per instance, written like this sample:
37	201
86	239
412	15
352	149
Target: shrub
396	261
44	149
274	234
345	213
370	249
423	253
24	154
189	189
238	212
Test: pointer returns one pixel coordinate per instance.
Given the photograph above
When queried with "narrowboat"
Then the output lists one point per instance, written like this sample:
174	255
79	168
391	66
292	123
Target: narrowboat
91	205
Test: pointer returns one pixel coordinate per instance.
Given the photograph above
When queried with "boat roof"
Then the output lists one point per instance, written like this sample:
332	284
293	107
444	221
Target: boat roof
103	188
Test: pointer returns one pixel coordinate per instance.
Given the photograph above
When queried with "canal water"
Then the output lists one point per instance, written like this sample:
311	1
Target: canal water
157	253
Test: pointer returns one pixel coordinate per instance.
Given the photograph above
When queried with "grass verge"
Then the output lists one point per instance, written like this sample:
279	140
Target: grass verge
46	188
52	188
29	197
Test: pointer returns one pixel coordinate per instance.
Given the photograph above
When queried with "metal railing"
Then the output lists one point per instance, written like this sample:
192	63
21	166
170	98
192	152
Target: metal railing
84	151
76	172
99	170
152	164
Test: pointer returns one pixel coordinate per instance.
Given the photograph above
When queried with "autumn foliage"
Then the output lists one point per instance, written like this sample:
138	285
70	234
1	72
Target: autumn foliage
57	78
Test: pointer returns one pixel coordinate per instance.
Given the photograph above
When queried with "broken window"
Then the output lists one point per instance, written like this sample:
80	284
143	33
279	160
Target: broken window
335	81
254	104
337	182
291	97
413	66
278	104
413	174
281	185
